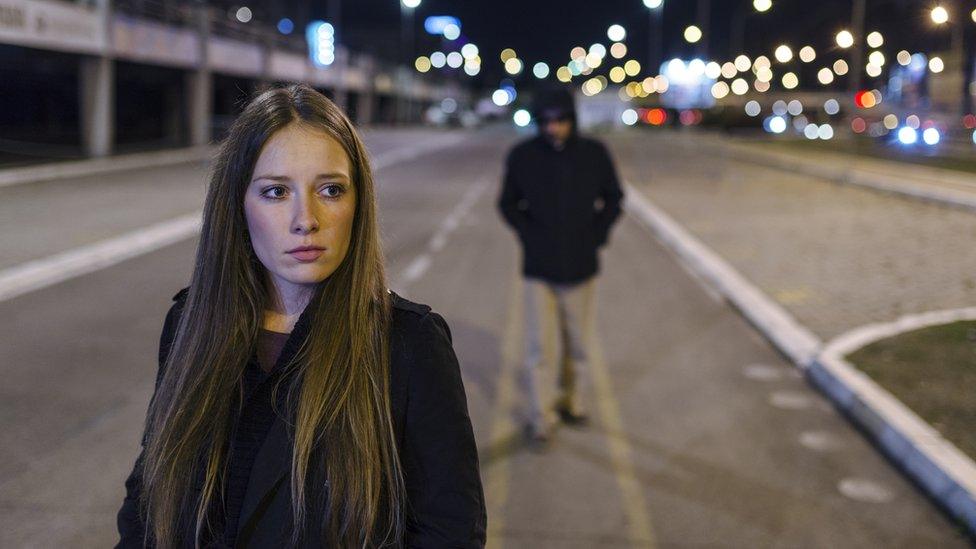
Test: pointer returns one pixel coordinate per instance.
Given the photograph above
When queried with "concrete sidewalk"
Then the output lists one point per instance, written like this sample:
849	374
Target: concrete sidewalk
807	262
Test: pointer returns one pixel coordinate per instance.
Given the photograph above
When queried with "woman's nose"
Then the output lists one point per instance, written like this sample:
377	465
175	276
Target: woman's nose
306	218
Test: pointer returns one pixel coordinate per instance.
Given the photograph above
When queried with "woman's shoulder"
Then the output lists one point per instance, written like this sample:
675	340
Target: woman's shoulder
411	321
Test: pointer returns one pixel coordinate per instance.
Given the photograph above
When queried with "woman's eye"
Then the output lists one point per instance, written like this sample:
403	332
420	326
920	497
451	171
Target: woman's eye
333	191
273	192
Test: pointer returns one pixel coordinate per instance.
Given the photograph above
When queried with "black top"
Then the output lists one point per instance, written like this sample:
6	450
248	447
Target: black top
445	501
561	204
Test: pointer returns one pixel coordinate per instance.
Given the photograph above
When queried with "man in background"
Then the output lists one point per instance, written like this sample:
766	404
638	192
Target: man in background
561	195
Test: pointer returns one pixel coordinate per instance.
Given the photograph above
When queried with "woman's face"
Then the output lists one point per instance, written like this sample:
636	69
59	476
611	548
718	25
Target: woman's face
300	206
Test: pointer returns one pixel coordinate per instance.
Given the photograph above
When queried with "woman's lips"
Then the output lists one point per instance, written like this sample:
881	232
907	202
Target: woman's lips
306	256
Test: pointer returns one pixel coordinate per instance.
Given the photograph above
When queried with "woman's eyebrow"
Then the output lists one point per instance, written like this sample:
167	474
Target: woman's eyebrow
329	175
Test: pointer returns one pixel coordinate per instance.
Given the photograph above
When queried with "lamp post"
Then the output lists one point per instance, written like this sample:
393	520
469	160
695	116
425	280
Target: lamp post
406	48
655	48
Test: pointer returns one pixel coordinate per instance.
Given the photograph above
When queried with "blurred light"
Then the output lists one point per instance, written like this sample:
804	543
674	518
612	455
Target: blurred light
693	34
875	39
761	86
689	117
825	76
629	117
794	107
845	39
454	60
471	69
783	54
438	59
969	121
286	26
713	70
890	121
777	124
740	86
907	136
656	117
577	53
790	81
507	53
936	64
742	63
540	70
753	108
779	107
729	70
761	62
244	14
648	85
973	15
661	83
500	98
320	37
435	24
864	99
825	131
931	136
912	121
904	58
563	74
720	90
598	50
858	125
449	105
522	118
617	75
807	54
811	131
876	58
632	68
800	122
939	15
696	67
513	66
469	51
873	70
840	67
831	107
918	62
653	4
762	5
616	33
422	63
618	50
452	32
410	3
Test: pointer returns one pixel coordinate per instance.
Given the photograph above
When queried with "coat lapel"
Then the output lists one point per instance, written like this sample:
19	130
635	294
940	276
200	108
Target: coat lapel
272	463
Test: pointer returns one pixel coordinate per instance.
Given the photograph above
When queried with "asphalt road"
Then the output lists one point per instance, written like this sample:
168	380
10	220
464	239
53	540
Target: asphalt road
702	435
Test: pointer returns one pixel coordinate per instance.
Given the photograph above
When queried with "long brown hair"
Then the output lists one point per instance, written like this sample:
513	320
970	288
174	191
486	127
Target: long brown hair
340	393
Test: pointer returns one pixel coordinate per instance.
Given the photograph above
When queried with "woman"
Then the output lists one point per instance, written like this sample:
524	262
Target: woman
298	401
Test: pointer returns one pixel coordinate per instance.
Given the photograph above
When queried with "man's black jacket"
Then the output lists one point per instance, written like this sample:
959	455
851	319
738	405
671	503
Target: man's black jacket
435	438
561	204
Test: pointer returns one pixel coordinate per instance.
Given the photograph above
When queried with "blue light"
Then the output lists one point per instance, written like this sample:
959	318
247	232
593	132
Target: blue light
435	23
907	135
931	136
321	42
286	26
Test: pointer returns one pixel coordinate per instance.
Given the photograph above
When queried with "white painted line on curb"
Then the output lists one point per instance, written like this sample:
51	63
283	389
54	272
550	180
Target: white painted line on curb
947	474
41	273
780	327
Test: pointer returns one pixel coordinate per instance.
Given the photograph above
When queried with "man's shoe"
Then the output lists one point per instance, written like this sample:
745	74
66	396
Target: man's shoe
573	419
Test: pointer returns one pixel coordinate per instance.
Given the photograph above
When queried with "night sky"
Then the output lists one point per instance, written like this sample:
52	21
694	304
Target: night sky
546	30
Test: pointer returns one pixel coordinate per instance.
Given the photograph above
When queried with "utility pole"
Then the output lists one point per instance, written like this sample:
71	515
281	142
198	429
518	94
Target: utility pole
857	53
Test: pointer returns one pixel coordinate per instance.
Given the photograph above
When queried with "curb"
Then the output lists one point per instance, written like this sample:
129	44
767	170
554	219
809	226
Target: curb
848	173
98	166
945	473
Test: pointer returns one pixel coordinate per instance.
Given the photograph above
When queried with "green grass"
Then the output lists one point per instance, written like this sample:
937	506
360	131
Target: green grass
871	148
932	371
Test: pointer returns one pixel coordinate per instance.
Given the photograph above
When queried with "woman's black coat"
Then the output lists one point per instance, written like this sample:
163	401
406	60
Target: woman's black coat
436	444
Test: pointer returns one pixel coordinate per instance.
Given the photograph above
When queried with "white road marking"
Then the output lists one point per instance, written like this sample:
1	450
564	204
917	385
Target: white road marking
820	441
865	490
762	372
790	400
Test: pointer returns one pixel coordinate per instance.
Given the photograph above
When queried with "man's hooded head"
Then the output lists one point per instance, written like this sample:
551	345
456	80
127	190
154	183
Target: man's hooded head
555	114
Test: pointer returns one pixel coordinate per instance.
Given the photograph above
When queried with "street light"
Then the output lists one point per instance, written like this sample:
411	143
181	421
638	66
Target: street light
939	15
654	35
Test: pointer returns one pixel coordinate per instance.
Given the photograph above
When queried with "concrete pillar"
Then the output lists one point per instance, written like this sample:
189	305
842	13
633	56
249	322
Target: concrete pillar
199	102
97	90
